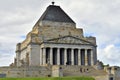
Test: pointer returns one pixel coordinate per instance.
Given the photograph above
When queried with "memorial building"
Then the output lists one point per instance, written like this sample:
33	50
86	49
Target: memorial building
56	40
56	47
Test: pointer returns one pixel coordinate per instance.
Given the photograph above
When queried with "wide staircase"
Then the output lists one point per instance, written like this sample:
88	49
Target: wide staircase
82	71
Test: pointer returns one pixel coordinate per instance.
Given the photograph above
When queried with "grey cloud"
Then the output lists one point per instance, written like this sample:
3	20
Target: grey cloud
5	60
14	4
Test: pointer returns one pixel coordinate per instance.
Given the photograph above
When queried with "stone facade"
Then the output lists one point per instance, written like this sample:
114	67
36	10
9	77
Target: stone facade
56	43
56	47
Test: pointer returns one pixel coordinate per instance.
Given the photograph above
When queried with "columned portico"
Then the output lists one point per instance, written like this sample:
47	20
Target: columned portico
66	56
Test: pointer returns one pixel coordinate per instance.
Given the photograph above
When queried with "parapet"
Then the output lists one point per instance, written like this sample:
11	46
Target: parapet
18	47
91	39
57	24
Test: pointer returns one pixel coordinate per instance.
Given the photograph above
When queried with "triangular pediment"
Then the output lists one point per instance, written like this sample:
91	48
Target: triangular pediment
69	40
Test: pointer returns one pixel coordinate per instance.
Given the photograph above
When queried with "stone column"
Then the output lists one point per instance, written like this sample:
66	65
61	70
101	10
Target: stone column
92	58
41	56
65	56
58	56
51	56
44	56
79	56
72	56
86	58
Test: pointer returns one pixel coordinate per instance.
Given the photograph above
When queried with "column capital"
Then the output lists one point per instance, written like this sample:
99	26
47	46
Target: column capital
51	47
86	48
65	48
43	48
72	48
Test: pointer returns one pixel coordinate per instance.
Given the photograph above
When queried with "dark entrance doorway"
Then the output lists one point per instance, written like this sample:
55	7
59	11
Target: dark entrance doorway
111	78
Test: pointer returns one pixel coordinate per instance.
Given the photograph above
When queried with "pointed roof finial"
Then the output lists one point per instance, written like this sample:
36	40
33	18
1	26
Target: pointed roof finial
53	2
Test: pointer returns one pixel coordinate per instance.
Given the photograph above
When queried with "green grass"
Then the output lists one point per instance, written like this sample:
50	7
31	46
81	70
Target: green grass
47	78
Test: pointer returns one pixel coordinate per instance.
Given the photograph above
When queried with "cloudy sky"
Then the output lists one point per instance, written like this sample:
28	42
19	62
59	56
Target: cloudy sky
99	18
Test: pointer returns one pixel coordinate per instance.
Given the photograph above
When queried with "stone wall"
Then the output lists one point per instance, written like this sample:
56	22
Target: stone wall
104	77
116	72
26	71
34	59
56	24
50	32
113	72
56	71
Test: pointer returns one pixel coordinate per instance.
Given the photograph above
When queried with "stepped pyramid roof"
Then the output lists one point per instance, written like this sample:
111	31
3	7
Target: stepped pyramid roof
55	13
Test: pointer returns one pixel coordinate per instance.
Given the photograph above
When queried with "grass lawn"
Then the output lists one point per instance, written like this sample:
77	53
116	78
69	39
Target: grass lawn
56	78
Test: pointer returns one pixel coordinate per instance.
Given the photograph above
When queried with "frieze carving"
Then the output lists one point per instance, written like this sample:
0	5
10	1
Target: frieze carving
68	39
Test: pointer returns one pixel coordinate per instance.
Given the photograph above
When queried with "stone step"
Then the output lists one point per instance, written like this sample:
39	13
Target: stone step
82	71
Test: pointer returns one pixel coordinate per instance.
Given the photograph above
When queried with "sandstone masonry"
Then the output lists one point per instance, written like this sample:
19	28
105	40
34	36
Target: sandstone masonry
56	47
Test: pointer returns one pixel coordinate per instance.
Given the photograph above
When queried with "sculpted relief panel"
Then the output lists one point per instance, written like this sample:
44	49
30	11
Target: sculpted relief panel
68	39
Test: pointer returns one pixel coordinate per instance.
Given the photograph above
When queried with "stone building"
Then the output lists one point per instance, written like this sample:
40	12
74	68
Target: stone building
55	40
56	47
